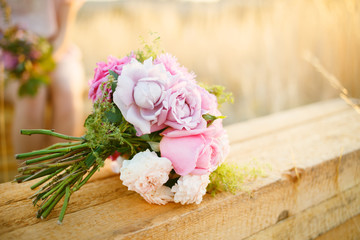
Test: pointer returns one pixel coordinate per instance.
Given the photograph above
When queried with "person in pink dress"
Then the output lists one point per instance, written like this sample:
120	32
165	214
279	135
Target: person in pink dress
52	19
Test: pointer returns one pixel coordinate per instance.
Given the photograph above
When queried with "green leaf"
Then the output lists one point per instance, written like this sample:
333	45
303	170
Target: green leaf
211	118
114	74
152	137
114	116
113	86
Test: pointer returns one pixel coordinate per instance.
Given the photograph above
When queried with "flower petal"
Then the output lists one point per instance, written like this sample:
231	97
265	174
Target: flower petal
182	152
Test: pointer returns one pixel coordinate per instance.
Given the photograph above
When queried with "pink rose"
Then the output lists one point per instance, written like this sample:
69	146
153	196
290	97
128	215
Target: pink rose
140	94
102	72
198	151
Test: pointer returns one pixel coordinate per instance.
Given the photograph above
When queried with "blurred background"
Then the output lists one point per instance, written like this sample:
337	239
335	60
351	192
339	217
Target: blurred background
255	48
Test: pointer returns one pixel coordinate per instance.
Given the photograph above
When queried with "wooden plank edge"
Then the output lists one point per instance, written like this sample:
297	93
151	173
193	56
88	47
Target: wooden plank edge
349	230
316	220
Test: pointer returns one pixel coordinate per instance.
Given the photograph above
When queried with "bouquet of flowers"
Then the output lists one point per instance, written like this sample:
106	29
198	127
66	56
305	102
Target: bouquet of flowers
27	58
150	115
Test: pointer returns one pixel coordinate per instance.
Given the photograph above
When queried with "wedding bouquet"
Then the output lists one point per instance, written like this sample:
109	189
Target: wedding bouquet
27	59
151	116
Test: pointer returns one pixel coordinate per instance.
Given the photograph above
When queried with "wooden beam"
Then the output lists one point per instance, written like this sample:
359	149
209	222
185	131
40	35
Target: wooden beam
314	153
318	219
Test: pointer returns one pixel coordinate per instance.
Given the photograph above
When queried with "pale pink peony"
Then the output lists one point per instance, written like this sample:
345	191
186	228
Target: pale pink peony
198	151
160	196
102	72
140	94
145	172
172	65
184	105
190	188
208	102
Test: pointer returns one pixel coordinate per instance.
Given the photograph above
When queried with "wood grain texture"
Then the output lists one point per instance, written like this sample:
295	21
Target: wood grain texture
349	230
317	219
314	152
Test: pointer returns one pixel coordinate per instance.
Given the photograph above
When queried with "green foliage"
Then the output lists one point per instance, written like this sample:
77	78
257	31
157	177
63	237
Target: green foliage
220	93
230	177
150	49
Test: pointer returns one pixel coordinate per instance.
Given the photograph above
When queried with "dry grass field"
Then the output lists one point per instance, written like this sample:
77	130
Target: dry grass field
254	47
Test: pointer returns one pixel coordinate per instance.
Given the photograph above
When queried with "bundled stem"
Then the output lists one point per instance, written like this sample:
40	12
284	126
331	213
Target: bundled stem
63	168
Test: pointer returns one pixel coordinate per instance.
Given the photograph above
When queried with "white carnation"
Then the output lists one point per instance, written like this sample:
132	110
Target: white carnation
145	172
161	196
190	188
117	164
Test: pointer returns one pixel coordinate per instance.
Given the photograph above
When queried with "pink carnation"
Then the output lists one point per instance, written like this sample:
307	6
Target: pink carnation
102	72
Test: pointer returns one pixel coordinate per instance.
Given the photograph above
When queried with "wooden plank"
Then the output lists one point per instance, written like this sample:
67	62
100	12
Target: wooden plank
318	219
106	210
282	120
349	230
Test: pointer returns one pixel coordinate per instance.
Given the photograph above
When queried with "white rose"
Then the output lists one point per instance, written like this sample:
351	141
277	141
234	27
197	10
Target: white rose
190	188
145	172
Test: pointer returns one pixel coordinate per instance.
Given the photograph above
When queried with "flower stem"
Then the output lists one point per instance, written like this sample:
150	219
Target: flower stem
77	187
43	152
46	208
60	186
64	207
50	165
45	213
66	144
50	133
40	173
45	179
40	159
